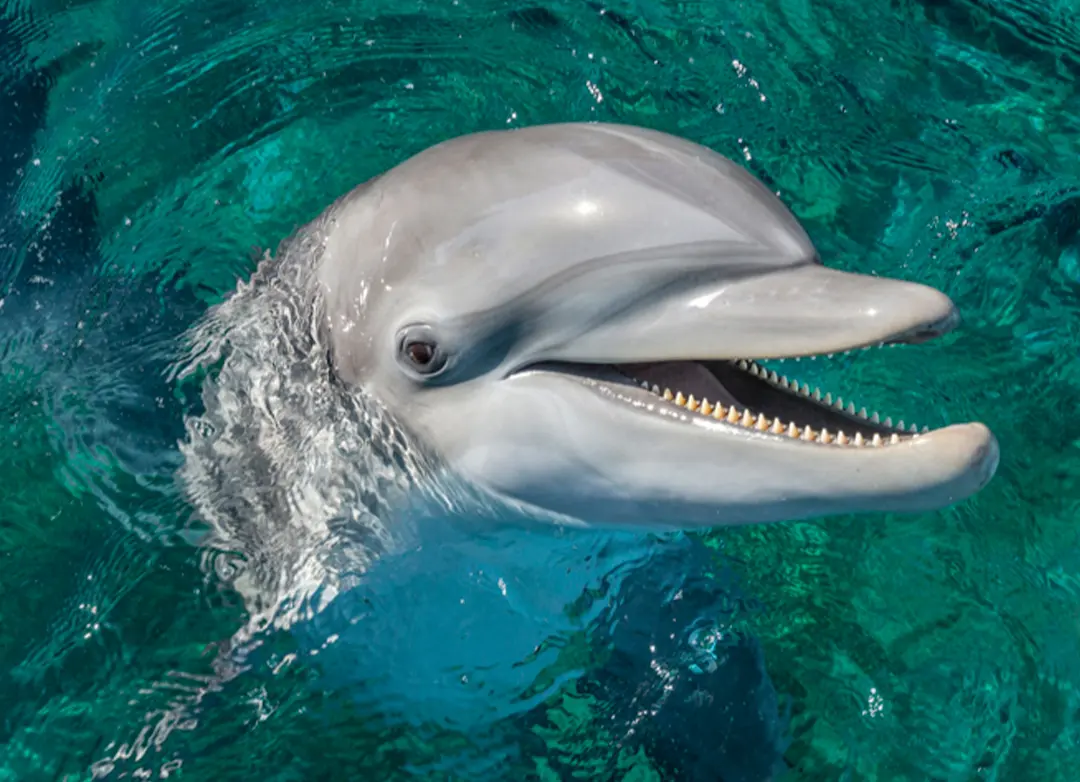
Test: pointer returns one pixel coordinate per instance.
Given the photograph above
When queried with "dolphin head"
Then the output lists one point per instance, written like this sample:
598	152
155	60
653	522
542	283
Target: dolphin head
571	316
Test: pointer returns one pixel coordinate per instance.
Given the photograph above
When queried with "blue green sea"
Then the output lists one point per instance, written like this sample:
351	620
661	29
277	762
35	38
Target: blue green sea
151	151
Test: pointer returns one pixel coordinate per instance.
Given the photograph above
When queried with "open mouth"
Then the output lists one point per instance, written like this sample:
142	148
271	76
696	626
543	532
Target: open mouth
745	394
648	361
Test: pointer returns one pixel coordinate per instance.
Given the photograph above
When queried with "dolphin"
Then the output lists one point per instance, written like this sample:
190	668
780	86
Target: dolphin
534	332
572	316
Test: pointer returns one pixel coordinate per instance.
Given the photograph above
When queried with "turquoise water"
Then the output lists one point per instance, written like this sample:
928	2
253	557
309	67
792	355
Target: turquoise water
152	151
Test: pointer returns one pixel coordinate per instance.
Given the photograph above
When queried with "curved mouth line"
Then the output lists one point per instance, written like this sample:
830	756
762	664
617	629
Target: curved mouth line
740	392
749	396
743	394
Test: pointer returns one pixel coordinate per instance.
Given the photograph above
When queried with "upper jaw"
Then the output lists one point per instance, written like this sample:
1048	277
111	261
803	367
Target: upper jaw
801	310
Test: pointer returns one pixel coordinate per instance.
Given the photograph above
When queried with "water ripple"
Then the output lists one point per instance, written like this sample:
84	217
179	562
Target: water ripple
153	151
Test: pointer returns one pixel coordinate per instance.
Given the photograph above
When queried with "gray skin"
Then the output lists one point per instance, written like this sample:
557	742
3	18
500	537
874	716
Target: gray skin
524	255
540	276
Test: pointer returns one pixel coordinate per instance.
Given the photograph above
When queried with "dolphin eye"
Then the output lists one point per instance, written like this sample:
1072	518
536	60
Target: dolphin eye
421	352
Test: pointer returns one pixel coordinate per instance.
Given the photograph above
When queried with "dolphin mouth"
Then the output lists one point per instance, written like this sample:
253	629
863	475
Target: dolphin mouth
851	313
742	393
745	395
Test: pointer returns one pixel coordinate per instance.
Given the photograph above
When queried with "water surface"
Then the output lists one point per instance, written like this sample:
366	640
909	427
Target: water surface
151	151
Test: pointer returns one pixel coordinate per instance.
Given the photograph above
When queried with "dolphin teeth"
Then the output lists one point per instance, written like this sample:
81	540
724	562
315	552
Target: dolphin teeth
926	429
759	422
